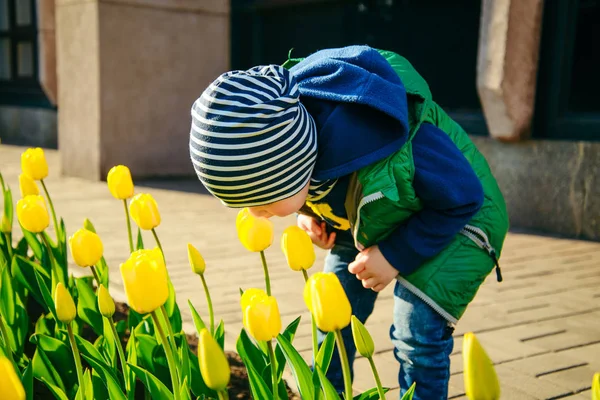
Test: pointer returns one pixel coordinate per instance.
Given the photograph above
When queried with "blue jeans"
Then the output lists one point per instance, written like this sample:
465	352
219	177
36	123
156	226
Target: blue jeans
422	338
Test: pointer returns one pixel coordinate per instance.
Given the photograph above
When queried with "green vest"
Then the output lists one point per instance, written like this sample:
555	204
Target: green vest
381	196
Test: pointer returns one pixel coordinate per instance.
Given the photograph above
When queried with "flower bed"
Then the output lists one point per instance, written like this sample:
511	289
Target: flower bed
65	337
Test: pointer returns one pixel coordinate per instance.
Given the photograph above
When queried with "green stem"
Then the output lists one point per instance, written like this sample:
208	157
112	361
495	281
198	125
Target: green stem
377	380
121	354
6	340
267	279
169	331
128	226
315	342
345	365
223	395
273	369
77	358
210	306
9	245
53	262
169	354
96	276
159	245
56	227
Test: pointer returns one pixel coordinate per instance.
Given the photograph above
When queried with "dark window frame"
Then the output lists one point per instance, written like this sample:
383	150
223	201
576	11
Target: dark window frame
19	90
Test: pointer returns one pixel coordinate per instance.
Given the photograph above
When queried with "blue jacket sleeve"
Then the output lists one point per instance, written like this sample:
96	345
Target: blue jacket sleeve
451	194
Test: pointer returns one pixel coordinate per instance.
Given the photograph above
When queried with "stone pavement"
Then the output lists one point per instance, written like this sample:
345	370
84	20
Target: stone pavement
541	326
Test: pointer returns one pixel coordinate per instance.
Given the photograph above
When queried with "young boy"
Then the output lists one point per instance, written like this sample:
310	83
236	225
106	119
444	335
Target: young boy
351	140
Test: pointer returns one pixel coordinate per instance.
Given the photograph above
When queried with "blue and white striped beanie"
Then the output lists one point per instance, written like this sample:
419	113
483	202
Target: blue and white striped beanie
252	142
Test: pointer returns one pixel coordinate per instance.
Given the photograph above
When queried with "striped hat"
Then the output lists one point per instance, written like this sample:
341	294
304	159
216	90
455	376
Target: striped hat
252	142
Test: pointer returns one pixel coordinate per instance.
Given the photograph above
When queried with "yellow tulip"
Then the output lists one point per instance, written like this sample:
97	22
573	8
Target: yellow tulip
327	301
27	186
10	384
33	164
106	304
65	306
362	338
255	233
144	211
5	225
145	280
119	182
596	386
298	248
481	382
260	314
213	363
86	248
32	213
196	261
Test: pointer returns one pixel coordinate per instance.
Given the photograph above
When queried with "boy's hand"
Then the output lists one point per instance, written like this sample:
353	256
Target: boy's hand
371	267
317	232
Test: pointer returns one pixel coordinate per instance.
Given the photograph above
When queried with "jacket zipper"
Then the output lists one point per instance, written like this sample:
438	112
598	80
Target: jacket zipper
417	292
364	201
479	237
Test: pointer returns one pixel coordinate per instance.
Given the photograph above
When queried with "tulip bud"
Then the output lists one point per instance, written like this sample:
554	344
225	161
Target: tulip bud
481	382
32	213
27	186
144	211
119	182
596	386
255	233
106	304
33	163
65	306
196	261
362	338
10	384
260	314
298	248
327	301
86	248
145	280
213	363
5	225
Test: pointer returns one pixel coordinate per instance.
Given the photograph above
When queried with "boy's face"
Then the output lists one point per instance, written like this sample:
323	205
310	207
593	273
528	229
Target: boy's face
282	208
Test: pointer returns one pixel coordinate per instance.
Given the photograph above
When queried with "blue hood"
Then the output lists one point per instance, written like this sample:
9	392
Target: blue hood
359	106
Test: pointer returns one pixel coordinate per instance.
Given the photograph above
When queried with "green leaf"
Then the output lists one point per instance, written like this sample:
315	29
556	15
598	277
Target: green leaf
326	352
175	319
250	352
20	329
288	333
28	381
184	356
100	389
258	386
7	295
89	387
140	240
24	272
87	306
410	392
88	349
22	247
184	390
34	243
134	319
56	391
197	318
220	334
50	353
328	390
299	368
46	293
8	208
371	394
156	388
109	344
114	389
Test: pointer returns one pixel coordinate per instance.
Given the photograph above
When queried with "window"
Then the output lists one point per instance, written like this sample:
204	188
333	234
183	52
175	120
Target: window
439	37
19	82
568	102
